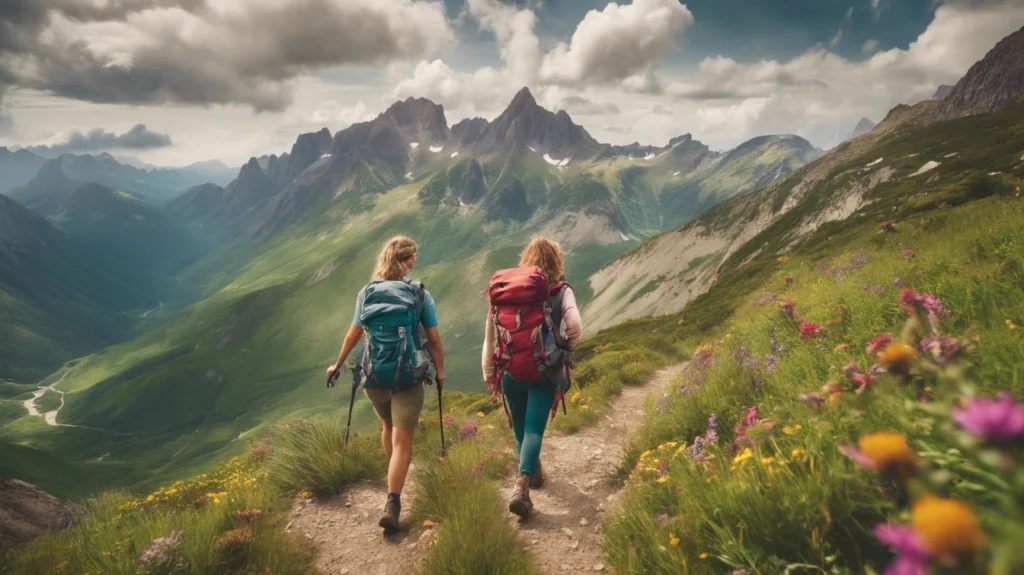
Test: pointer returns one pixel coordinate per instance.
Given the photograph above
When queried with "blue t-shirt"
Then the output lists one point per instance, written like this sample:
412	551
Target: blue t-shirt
428	318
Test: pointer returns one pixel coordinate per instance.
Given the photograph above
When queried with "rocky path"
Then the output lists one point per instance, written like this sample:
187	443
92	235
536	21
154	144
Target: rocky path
347	539
564	532
50	416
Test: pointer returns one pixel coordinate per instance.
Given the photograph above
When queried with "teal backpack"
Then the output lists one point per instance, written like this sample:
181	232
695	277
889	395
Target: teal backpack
393	357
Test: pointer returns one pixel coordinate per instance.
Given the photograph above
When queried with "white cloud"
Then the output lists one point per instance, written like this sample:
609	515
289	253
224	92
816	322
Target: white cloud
870	46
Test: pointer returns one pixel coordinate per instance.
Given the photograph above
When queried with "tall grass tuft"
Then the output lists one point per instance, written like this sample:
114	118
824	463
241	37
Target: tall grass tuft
311	455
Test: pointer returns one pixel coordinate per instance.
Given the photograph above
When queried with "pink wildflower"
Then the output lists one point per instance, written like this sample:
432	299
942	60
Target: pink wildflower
889	226
809	330
907	253
468	430
913	557
879	343
992	419
788	308
787	281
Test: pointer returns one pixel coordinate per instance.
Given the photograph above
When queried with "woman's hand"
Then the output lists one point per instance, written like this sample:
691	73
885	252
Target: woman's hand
331	371
439	378
494	388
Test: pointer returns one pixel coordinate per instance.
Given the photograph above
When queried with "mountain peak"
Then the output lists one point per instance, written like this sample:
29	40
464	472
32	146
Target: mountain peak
993	82
522	99
418	119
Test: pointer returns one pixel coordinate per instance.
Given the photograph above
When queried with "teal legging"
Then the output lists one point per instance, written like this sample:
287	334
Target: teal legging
529	406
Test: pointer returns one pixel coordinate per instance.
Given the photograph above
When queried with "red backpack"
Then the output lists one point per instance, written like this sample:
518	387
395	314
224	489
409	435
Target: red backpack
528	340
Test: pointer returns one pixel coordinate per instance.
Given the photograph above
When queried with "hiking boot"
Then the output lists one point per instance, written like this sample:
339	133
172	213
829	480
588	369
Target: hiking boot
537	479
520	503
389	521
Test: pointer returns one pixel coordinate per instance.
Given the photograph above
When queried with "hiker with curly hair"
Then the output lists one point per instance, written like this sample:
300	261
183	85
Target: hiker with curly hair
402	353
532	327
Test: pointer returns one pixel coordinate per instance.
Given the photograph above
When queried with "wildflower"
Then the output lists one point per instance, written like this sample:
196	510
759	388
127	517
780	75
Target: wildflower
911	300
813	400
236	540
907	253
791	430
889	226
159	552
673	540
992	419
247	515
703	556
766	300
809	330
428	523
468	430
767	460
771	363
942	349
784	259
841	347
898	283
663	479
879	343
787	281
947	527
796	453
874	289
480	414
788	308
898	357
1011	325
886	452
646	454
913	557
743	456
710	479
697	450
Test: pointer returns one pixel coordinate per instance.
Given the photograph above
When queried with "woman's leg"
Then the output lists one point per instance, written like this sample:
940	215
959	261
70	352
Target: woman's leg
538	408
406	407
401	457
385	436
515	398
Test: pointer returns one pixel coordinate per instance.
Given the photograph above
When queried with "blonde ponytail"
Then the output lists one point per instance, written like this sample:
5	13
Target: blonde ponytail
393	259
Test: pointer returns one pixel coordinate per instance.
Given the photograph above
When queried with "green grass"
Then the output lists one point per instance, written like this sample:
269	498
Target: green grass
812	508
50	401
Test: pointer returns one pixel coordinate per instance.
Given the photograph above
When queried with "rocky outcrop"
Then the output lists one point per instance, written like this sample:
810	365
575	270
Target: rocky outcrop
468	131
27	512
995	81
418	119
526	123
863	127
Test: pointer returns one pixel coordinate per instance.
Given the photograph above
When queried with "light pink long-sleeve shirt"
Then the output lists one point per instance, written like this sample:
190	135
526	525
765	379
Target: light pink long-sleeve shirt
570	317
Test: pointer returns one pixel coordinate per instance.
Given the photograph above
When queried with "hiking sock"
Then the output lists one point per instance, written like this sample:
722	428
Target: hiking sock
397	498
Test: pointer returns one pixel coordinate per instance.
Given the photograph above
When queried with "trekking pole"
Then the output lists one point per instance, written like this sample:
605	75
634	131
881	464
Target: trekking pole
356	372
440	413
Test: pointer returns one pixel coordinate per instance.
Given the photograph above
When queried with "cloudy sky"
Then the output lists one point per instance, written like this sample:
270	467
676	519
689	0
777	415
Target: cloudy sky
177	81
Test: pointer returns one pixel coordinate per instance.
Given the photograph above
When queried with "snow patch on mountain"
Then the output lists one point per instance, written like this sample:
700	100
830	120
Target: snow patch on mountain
926	168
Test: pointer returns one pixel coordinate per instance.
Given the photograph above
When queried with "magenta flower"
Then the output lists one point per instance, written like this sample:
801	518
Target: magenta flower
788	308
787	281
992	419
879	343
889	226
912	556
809	330
753	415
911	300
858	457
468	430
942	348
898	283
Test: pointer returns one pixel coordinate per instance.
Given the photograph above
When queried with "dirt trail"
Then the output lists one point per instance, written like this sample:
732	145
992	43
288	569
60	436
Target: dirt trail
347	539
564	532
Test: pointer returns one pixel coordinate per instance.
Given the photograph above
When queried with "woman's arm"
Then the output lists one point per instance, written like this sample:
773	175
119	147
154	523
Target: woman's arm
487	356
436	351
571	317
351	340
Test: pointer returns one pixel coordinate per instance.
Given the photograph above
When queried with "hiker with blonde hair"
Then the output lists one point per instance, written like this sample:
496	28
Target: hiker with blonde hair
532	327
402	353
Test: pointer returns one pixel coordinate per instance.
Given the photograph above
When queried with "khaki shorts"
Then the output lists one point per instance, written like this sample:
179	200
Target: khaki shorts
402	408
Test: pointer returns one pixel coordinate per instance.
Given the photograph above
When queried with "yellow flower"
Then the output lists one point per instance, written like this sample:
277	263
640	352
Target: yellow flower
703	555
743	456
796	453
428	523
663	479
480	414
673	540
767	460
646	454
710	479
834	398
784	259
898	357
889	451
1011	325
841	347
791	430
946	526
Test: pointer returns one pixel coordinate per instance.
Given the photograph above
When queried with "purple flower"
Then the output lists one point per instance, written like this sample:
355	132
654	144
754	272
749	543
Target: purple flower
912	556
777	348
911	300
898	283
942	348
468	430
992	419
767	299
771	362
857	457
756	382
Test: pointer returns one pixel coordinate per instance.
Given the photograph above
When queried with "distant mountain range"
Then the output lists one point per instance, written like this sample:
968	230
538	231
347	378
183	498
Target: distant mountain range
17	168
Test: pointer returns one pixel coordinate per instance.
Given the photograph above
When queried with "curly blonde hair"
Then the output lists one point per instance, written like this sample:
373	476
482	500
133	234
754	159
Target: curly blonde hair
547	255
393	258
